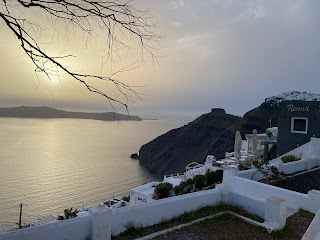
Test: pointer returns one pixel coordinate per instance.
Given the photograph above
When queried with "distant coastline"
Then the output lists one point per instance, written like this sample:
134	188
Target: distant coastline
151	119
48	112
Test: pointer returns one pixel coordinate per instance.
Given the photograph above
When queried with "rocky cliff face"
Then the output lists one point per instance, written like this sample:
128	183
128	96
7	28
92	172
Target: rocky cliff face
212	133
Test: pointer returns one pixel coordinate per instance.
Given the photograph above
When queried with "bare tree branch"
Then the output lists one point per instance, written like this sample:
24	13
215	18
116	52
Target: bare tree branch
114	18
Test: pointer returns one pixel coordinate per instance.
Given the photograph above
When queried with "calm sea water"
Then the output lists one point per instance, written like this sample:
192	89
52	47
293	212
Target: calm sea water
53	164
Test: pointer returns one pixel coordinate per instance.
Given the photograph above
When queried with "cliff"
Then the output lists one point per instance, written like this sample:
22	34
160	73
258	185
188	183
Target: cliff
212	133
47	112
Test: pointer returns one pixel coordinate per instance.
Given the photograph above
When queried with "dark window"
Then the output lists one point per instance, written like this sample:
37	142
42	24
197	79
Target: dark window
299	125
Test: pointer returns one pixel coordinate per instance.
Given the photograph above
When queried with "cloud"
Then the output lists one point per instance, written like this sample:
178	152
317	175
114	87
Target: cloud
190	41
257	12
177	24
176	4
231	53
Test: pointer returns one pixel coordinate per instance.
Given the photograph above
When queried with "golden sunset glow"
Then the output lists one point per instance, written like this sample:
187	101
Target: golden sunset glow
204	60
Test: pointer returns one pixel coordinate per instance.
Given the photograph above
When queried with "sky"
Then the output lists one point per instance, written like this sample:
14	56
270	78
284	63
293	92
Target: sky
228	54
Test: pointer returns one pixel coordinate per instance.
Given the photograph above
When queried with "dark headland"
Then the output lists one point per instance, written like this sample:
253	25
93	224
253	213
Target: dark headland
212	133
47	112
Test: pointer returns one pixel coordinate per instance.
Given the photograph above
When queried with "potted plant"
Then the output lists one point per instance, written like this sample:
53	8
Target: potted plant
269	135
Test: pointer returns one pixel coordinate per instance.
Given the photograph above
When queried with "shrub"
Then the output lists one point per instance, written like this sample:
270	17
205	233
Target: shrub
69	213
187	189
211	177
177	190
184	187
126	198
270	173
190	181
162	190
199	181
290	158
220	175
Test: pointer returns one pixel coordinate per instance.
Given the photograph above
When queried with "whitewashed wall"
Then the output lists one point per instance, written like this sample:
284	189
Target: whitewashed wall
236	189
154	212
315	149
273	209
298	166
310	201
257	176
139	196
72	229
304	149
252	204
102	222
309	150
287	168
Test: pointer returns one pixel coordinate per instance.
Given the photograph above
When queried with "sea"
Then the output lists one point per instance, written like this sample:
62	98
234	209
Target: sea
52	164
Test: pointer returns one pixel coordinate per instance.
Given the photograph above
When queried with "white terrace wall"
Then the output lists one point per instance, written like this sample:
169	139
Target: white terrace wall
101	222
252	204
309	150
243	186
315	148
304	149
248	174
73	229
151	213
298	166
272	209
137	196
310	158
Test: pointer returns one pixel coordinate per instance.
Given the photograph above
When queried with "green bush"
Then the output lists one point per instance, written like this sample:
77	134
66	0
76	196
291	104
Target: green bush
199	181
162	190
220	175
211	177
184	187
290	158
188	189
69	213
126	198
177	190
190	181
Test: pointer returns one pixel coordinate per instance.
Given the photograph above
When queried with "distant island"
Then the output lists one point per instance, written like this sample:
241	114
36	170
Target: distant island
47	112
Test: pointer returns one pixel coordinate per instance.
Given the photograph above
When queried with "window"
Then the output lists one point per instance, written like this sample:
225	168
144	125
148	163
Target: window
299	125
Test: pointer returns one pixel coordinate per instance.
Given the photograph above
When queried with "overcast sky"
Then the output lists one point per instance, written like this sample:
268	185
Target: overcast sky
216	53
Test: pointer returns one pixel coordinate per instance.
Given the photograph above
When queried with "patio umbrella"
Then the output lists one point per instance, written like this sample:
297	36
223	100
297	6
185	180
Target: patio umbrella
237	145
254	144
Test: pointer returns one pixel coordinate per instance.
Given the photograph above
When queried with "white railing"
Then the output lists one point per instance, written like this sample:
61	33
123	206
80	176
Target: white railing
176	175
